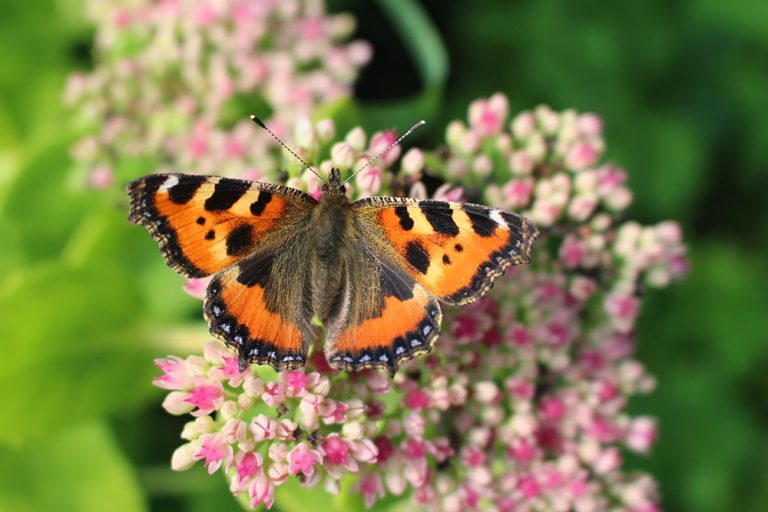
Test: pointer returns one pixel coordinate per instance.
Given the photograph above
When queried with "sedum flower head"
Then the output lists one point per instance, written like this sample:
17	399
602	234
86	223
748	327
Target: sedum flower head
174	81
522	406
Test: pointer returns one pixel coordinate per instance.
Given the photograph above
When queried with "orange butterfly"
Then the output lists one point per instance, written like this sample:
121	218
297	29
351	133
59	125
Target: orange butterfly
372	270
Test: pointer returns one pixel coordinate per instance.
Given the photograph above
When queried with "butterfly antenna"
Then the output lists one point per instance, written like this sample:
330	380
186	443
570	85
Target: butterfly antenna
297	157
417	125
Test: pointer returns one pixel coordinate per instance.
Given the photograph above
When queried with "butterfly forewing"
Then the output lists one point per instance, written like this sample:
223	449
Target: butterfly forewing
205	223
454	250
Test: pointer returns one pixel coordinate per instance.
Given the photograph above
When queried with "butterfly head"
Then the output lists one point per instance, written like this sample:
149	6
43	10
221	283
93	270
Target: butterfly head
334	186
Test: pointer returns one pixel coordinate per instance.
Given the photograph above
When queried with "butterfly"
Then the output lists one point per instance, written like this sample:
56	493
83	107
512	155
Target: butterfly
372	270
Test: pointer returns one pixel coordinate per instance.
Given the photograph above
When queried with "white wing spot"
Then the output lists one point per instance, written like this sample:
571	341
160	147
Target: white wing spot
426	330
383	357
172	181
399	350
415	342
498	219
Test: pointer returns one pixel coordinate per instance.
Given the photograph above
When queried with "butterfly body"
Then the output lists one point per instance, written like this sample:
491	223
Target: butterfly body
371	270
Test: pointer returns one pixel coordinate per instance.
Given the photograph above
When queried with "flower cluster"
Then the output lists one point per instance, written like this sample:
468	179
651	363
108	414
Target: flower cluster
522	406
174	81
283	416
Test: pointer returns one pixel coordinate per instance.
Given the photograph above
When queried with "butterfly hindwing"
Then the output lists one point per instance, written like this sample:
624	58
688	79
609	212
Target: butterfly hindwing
384	317
454	250
259	306
206	223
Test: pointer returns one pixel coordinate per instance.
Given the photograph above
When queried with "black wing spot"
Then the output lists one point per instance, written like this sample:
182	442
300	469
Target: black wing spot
225	194
210	235
239	239
446	259
481	220
258	206
417	256
440	216
458	247
406	222
201	220
184	190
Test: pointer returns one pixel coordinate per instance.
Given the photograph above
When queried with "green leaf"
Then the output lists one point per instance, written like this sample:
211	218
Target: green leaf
78	469
69	348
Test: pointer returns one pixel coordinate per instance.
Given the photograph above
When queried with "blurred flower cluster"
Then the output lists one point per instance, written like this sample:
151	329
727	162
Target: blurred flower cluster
172	78
522	405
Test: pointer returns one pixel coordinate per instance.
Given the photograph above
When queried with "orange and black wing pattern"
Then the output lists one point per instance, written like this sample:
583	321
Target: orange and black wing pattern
206	223
454	250
257	306
384	318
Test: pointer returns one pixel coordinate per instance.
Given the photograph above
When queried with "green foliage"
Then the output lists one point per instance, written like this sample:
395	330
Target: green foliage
682	89
79	469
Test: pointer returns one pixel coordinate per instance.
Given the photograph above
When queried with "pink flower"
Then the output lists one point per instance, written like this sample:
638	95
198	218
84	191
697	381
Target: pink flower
214	450
518	192
247	464
487	116
302	459
174	375
206	398
274	394
522	451
261	491
335	450
416	400
296	382
571	252
263	427
371	488
622	309
529	487
552	408
581	155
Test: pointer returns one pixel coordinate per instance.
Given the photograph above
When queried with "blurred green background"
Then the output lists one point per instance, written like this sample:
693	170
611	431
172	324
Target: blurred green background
682	88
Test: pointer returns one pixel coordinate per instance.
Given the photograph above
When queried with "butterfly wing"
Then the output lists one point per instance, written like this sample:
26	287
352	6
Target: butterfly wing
205	223
251	236
260	305
384	315
454	250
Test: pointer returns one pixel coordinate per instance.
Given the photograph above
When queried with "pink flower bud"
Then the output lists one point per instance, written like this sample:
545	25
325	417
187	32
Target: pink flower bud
412	162
262	427
196	287
590	125
454	133
523	125
101	177
183	456
380	141
369	180
177	403
342	155
326	130
641	434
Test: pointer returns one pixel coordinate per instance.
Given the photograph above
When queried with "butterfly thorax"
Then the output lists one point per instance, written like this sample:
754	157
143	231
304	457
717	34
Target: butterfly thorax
332	232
